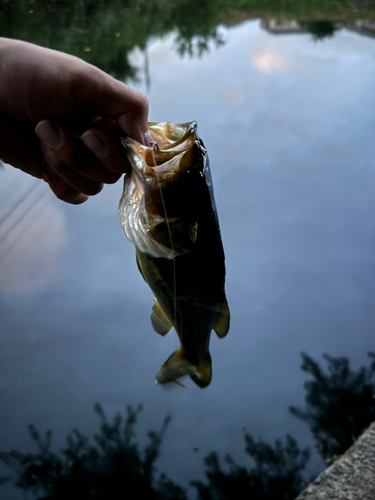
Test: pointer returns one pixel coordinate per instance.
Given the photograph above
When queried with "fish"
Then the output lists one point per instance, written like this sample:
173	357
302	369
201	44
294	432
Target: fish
168	211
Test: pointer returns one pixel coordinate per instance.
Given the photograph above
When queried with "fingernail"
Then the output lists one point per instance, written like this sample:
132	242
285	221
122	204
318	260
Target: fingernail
148	139
49	133
95	144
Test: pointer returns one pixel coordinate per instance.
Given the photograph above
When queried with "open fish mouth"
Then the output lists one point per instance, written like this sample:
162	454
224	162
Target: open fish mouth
170	136
172	141
155	209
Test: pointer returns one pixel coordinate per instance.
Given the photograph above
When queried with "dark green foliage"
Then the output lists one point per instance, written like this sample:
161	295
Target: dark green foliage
340	403
276	473
111	468
319	29
104	32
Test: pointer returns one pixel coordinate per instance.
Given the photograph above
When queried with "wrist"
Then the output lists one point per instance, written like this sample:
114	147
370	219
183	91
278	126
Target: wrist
6	46
11	76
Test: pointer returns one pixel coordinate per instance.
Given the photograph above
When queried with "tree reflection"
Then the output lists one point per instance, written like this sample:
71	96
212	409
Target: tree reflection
320	29
340	403
105	32
276	473
111	468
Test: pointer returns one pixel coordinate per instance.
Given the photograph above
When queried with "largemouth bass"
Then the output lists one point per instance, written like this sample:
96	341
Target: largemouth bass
168	211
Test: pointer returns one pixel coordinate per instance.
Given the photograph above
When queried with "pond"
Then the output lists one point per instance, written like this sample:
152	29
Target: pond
283	95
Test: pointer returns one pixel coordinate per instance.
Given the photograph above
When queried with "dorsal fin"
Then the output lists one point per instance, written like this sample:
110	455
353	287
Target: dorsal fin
159	320
222	325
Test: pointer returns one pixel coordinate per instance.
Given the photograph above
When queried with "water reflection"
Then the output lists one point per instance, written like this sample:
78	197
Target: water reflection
106	32
109	468
340	406
318	29
340	403
292	154
269	61
277	472
32	234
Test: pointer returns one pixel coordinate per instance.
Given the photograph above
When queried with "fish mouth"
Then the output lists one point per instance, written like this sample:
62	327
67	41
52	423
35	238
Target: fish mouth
171	136
159	208
172	142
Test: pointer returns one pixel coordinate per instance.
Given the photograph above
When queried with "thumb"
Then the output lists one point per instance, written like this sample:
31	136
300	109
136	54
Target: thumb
100	94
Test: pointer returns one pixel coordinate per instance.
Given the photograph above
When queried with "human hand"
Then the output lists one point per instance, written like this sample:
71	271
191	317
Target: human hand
59	116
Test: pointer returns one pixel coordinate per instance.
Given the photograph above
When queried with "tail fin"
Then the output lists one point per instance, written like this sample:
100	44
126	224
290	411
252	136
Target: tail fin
175	367
178	366
203	375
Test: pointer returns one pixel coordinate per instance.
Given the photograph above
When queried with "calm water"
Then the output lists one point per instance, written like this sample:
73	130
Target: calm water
289	125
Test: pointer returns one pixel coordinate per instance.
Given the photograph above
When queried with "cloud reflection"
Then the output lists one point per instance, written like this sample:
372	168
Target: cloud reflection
268	61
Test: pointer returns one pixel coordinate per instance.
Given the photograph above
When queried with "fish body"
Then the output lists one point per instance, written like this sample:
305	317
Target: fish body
168	211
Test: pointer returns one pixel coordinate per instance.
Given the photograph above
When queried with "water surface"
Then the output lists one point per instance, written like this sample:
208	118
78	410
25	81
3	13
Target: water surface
289	123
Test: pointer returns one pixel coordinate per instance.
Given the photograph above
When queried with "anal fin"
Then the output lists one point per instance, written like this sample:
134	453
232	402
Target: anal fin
222	326
159	320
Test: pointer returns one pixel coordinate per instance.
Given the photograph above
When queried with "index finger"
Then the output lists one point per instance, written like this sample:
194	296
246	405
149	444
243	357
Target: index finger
100	94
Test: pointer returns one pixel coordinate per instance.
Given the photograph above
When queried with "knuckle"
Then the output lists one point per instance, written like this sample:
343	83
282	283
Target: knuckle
83	79
72	154
56	166
92	188
113	177
68	151
141	104
64	195
64	192
73	197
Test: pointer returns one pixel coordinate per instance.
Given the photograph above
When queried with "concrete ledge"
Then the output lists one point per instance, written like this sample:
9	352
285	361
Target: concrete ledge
352	477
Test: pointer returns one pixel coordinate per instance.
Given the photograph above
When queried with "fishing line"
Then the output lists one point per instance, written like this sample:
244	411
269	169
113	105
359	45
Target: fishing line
22	216
154	147
26	230
19	202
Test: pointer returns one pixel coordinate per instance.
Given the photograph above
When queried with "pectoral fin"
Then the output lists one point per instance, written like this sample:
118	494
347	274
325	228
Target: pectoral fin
159	320
222	326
